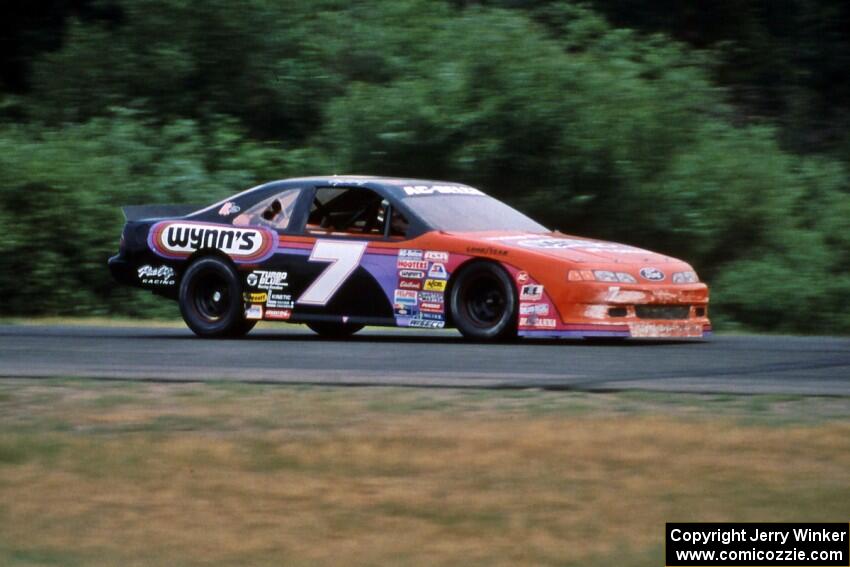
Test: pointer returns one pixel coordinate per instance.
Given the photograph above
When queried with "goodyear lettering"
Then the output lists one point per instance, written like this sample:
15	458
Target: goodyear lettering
487	250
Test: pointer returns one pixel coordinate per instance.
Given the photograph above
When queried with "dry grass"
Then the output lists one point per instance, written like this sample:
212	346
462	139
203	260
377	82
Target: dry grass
100	474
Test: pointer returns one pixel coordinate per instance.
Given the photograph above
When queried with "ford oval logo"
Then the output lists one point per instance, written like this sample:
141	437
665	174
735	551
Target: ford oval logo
652	274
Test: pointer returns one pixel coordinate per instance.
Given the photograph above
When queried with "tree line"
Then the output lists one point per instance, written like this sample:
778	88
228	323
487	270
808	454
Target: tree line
705	138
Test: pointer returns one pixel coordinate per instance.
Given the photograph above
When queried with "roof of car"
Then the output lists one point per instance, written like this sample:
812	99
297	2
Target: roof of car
336	178
400	187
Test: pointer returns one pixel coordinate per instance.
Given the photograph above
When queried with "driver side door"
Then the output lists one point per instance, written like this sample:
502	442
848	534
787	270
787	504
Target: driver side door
338	270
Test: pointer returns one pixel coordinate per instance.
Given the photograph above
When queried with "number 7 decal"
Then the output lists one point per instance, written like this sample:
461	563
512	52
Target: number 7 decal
344	257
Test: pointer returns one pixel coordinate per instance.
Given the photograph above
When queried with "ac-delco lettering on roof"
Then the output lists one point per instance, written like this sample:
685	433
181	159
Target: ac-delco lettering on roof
440	190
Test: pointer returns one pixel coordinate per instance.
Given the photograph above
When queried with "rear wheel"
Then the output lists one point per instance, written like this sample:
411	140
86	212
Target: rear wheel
211	299
334	330
483	302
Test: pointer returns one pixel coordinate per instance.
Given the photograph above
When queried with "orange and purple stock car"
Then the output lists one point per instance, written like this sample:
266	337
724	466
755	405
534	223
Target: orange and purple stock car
338	253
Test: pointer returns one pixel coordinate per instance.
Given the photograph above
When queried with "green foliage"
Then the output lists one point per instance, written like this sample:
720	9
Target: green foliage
590	128
61	192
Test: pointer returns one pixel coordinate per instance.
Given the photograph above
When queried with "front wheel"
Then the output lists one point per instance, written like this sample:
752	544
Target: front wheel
211	300
334	330
483	302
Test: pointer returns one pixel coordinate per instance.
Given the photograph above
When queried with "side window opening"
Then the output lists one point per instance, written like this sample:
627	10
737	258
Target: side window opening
398	223
350	211
273	212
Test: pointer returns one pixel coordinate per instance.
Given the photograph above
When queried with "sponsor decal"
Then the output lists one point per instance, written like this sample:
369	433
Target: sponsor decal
408	254
159	275
178	239
263	279
229	208
531	292
522	277
534	308
432	307
412	264
280	301
441	190
412	274
487	250
569	243
535	321
405	297
401	309
431	297
435	285
427	324
432	316
347	181
410	284
435	256
280	314
256	297
438	270
254	312
652	274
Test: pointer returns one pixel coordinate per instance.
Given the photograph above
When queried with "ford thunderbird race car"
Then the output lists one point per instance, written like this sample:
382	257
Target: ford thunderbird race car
338	253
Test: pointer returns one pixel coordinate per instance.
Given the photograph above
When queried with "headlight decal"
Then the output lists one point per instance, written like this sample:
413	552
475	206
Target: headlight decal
600	276
685	277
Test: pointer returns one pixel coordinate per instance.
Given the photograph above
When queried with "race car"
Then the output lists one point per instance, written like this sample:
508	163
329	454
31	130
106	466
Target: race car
341	252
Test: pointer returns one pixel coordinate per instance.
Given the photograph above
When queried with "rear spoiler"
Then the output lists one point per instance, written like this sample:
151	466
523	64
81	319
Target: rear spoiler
140	212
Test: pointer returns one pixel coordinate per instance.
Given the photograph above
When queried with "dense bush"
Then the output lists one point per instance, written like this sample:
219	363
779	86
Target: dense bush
591	129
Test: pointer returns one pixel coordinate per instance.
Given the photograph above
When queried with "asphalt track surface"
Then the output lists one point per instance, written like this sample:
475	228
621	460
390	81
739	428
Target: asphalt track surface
294	355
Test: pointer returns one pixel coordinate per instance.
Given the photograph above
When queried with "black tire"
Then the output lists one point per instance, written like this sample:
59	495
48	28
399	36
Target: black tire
211	299
483	302
334	330
243	328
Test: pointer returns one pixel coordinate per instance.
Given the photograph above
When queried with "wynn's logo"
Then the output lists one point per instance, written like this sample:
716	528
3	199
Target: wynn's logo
175	239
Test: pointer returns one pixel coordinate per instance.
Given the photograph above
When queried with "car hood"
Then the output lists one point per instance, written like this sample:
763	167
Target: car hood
567	247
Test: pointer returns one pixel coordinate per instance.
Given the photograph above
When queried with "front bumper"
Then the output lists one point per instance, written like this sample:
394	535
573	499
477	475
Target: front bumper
645	330
639	311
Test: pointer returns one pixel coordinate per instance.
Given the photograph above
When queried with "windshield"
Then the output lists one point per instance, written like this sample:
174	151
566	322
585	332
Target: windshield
470	213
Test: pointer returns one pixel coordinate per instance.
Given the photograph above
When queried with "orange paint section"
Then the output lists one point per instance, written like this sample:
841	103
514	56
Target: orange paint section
643	309
578	307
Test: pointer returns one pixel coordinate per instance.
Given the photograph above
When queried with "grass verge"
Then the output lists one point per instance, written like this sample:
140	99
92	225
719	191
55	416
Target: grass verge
105	473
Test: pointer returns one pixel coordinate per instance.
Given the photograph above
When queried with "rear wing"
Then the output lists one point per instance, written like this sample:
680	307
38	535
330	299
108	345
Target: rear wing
140	212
